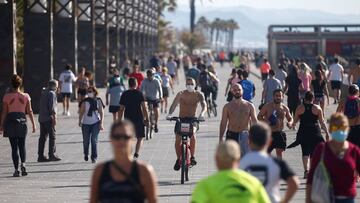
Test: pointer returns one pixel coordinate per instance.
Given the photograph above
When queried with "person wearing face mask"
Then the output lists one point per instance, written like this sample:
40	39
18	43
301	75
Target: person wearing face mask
274	113
151	88
188	100
237	116
351	108
91	117
123	179
47	120
341	159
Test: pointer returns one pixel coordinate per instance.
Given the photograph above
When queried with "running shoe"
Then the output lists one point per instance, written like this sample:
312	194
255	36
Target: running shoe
23	170
193	162
177	165
16	173
156	129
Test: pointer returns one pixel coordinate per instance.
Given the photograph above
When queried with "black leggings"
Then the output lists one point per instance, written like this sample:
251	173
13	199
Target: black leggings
18	143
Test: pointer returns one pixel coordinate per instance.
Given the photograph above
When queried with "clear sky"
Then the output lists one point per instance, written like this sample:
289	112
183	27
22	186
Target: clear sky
333	6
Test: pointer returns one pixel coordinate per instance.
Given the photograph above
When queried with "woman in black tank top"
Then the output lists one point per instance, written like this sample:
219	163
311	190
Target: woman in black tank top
320	89
123	180
309	133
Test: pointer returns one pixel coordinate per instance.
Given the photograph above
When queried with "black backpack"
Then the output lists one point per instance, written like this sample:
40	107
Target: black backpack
205	80
351	108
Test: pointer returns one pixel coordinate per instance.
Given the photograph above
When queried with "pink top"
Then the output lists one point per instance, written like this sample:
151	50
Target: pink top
305	79
235	80
16	101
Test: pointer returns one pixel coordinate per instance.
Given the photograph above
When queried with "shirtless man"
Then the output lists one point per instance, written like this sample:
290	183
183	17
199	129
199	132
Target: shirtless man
188	100
237	116
354	75
352	111
274	114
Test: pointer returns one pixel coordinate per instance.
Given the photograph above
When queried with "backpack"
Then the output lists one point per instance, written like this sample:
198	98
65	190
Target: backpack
205	80
322	190
351	108
248	89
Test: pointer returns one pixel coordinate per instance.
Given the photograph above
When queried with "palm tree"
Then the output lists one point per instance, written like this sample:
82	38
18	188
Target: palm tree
233	25
192	16
203	25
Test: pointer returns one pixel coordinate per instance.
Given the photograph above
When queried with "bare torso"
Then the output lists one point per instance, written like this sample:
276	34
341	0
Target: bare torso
280	112
355	73
188	103
238	115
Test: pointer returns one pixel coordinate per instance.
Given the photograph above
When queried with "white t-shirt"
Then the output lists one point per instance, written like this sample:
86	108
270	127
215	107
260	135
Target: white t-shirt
90	120
268	170
67	78
336	70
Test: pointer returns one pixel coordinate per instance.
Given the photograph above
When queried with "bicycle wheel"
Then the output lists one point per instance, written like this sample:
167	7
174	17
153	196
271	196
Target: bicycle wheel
183	163
151	131
147	128
187	164
209	108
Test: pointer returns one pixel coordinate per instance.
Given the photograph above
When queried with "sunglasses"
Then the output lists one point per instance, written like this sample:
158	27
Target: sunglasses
121	137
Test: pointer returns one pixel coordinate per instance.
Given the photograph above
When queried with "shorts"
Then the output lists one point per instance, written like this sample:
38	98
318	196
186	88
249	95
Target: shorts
354	135
65	94
114	109
240	137
139	129
173	75
165	91
82	92
335	85
185	120
264	76
155	103
307	143
278	141
319	99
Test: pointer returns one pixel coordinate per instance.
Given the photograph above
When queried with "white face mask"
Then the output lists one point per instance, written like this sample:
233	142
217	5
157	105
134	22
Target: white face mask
91	95
190	88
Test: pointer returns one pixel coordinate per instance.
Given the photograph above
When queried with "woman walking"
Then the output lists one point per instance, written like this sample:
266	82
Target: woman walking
292	88
123	179
82	83
166	84
305	77
320	90
341	160
91	117
309	133
16	105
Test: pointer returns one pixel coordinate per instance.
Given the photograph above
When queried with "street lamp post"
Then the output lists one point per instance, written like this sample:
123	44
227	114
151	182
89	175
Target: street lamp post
113	33
122	48
129	27
65	35
101	42
7	43
86	35
38	47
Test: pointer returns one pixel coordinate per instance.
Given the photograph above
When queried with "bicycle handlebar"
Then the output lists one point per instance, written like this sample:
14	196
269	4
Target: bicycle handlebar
176	118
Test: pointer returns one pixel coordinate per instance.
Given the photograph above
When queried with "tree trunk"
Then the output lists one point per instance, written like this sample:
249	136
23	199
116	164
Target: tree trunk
216	39
192	16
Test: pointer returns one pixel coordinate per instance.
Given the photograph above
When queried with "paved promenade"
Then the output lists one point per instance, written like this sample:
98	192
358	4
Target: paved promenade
69	179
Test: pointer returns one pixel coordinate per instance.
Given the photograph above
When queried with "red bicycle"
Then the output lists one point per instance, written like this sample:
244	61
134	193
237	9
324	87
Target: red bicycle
186	130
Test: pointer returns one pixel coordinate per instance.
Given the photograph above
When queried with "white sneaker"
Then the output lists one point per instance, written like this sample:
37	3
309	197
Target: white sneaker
68	113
